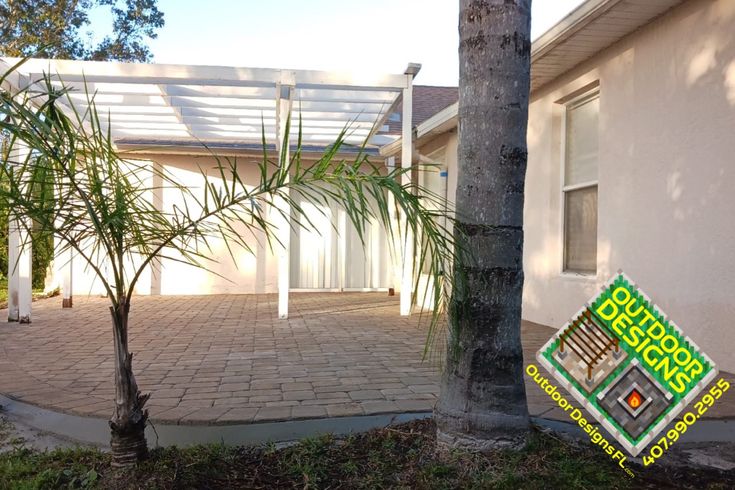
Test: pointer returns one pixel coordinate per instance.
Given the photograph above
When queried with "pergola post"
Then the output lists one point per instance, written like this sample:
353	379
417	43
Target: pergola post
284	98
65	271
13	282
396	269
19	254
407	264
63	259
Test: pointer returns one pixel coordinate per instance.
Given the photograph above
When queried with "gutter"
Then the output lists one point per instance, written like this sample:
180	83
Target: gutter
577	19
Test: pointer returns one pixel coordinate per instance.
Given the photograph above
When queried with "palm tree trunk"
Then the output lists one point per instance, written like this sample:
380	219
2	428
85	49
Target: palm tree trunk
128	422
482	404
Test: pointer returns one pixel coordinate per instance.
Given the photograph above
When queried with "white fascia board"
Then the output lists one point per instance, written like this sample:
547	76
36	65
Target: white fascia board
392	148
441	122
573	22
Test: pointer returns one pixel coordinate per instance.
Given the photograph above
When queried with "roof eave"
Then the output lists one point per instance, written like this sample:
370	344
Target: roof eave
573	22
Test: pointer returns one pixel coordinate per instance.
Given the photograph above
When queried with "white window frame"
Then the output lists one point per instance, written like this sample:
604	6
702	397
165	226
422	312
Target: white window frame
566	106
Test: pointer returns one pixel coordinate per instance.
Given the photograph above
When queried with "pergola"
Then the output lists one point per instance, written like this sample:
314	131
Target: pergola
180	106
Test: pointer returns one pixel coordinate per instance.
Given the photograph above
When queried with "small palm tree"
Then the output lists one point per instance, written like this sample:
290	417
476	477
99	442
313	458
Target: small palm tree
100	210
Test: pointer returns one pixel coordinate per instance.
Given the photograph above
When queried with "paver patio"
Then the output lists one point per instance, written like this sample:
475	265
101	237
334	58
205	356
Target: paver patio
229	359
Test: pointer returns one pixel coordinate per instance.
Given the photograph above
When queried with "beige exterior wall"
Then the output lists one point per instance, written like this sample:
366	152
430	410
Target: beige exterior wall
255	270
666	176
248	273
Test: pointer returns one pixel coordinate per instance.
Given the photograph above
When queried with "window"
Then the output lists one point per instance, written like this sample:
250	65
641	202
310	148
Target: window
580	184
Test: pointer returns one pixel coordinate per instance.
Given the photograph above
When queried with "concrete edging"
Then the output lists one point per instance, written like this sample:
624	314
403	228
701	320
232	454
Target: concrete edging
95	431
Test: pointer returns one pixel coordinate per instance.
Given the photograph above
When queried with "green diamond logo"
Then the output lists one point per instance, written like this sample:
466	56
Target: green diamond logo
627	363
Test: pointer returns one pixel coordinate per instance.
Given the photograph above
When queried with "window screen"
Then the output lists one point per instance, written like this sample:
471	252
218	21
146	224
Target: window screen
581	142
580	236
580	185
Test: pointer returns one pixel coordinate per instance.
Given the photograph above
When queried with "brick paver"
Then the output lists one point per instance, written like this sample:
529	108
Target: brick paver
228	359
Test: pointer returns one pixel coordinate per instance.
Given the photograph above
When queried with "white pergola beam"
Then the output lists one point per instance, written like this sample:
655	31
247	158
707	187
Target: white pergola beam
82	90
140	113
217	103
177	111
342	113
110	71
313	119
347	95
253	128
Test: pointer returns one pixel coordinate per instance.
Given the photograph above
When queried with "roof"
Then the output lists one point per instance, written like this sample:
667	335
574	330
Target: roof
216	105
427	101
587	30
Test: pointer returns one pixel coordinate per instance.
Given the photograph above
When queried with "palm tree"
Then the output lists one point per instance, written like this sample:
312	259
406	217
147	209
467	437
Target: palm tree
482	403
100	210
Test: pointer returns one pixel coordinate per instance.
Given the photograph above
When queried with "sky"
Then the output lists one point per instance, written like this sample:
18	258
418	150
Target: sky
378	36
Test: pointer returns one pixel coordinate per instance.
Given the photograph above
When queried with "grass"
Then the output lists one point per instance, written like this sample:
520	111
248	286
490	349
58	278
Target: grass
400	457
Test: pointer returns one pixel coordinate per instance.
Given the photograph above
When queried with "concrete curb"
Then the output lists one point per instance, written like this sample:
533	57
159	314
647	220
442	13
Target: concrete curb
95	431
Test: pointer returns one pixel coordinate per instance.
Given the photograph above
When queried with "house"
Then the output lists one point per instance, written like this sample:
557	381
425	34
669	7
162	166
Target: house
630	137
630	164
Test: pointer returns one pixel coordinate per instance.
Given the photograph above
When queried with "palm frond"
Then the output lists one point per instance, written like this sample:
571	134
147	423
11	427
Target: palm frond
101	205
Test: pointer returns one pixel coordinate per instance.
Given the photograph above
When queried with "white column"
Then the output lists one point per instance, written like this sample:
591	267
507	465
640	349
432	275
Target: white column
407	257
157	170
13	249
342	248
19	255
65	270
395	245
283	215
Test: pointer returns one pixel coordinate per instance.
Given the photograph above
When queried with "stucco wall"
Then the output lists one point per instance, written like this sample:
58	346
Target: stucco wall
666	176
254	270
248	273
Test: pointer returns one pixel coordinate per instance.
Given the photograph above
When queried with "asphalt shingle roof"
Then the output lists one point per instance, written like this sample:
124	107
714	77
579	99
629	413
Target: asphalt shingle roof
427	101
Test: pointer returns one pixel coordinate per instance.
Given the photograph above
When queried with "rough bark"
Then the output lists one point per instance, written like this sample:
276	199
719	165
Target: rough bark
482	404
128	422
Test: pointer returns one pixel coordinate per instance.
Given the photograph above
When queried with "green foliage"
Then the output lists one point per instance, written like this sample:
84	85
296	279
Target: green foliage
397	457
23	468
56	29
402	456
42	251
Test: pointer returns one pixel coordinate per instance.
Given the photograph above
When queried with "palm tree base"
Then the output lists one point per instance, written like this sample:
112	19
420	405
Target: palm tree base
129	446
480	432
